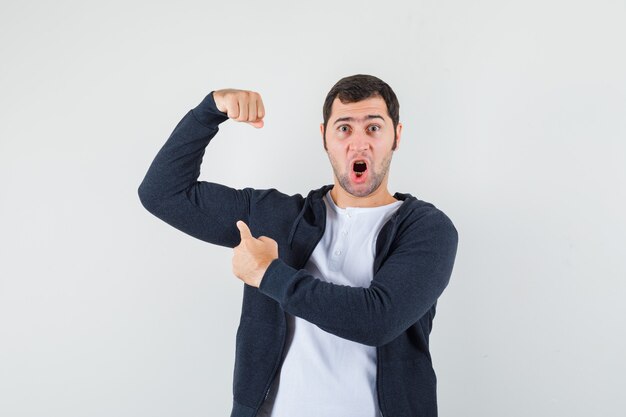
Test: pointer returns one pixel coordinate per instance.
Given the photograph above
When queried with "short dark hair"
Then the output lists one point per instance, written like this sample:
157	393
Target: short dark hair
360	87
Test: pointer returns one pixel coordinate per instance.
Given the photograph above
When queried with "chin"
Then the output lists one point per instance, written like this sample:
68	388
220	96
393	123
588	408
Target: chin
363	191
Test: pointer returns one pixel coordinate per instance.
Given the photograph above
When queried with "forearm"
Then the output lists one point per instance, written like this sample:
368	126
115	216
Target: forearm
405	287
176	166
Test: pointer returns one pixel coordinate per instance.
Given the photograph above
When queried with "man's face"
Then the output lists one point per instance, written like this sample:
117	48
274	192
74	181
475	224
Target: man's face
361	131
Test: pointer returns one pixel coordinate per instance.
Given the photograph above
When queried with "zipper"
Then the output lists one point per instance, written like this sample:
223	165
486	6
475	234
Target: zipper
280	356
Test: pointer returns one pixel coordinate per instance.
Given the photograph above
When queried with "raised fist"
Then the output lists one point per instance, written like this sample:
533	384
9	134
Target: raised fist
241	105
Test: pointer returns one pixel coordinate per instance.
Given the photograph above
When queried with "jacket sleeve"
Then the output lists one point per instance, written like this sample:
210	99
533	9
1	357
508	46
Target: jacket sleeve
407	284
171	191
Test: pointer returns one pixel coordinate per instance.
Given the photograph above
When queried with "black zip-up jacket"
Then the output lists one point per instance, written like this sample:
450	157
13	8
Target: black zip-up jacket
415	252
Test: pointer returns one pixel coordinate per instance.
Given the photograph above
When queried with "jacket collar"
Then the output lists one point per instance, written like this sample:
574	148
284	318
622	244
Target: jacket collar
314	205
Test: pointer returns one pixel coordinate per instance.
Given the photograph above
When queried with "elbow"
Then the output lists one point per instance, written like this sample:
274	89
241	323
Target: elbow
148	199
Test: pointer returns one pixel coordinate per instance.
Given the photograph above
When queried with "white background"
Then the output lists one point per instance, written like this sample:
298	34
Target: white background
514	118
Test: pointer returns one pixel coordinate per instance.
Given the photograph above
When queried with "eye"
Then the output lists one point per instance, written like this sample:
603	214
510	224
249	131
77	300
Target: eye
339	128
376	126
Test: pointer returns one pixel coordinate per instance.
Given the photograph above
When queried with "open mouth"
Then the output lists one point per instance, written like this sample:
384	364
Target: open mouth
359	167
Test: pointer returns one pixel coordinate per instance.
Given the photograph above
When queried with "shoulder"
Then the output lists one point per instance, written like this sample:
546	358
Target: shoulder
423	218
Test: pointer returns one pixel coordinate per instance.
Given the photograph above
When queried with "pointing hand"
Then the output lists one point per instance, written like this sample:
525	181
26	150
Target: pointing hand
252	256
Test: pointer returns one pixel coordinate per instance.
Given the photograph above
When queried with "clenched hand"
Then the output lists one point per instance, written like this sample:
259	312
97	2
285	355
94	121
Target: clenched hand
241	105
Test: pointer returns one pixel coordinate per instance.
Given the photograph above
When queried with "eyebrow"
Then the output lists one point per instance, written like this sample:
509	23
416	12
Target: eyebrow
351	119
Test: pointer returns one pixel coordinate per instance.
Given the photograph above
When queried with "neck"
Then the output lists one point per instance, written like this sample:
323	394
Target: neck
343	199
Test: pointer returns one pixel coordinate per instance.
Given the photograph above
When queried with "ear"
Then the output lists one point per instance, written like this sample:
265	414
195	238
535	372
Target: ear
398	135
322	132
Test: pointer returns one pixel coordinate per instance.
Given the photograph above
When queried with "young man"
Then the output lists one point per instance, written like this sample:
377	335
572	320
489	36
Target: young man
340	286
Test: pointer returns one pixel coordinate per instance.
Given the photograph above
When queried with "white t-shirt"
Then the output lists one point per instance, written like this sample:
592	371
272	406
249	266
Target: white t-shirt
323	374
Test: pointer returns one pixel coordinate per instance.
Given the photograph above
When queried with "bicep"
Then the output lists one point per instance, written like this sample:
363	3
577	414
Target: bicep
207	211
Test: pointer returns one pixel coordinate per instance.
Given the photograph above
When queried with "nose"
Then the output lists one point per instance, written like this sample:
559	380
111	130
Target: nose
359	143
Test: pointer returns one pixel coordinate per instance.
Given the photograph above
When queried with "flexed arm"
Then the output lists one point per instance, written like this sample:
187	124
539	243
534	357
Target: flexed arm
170	189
